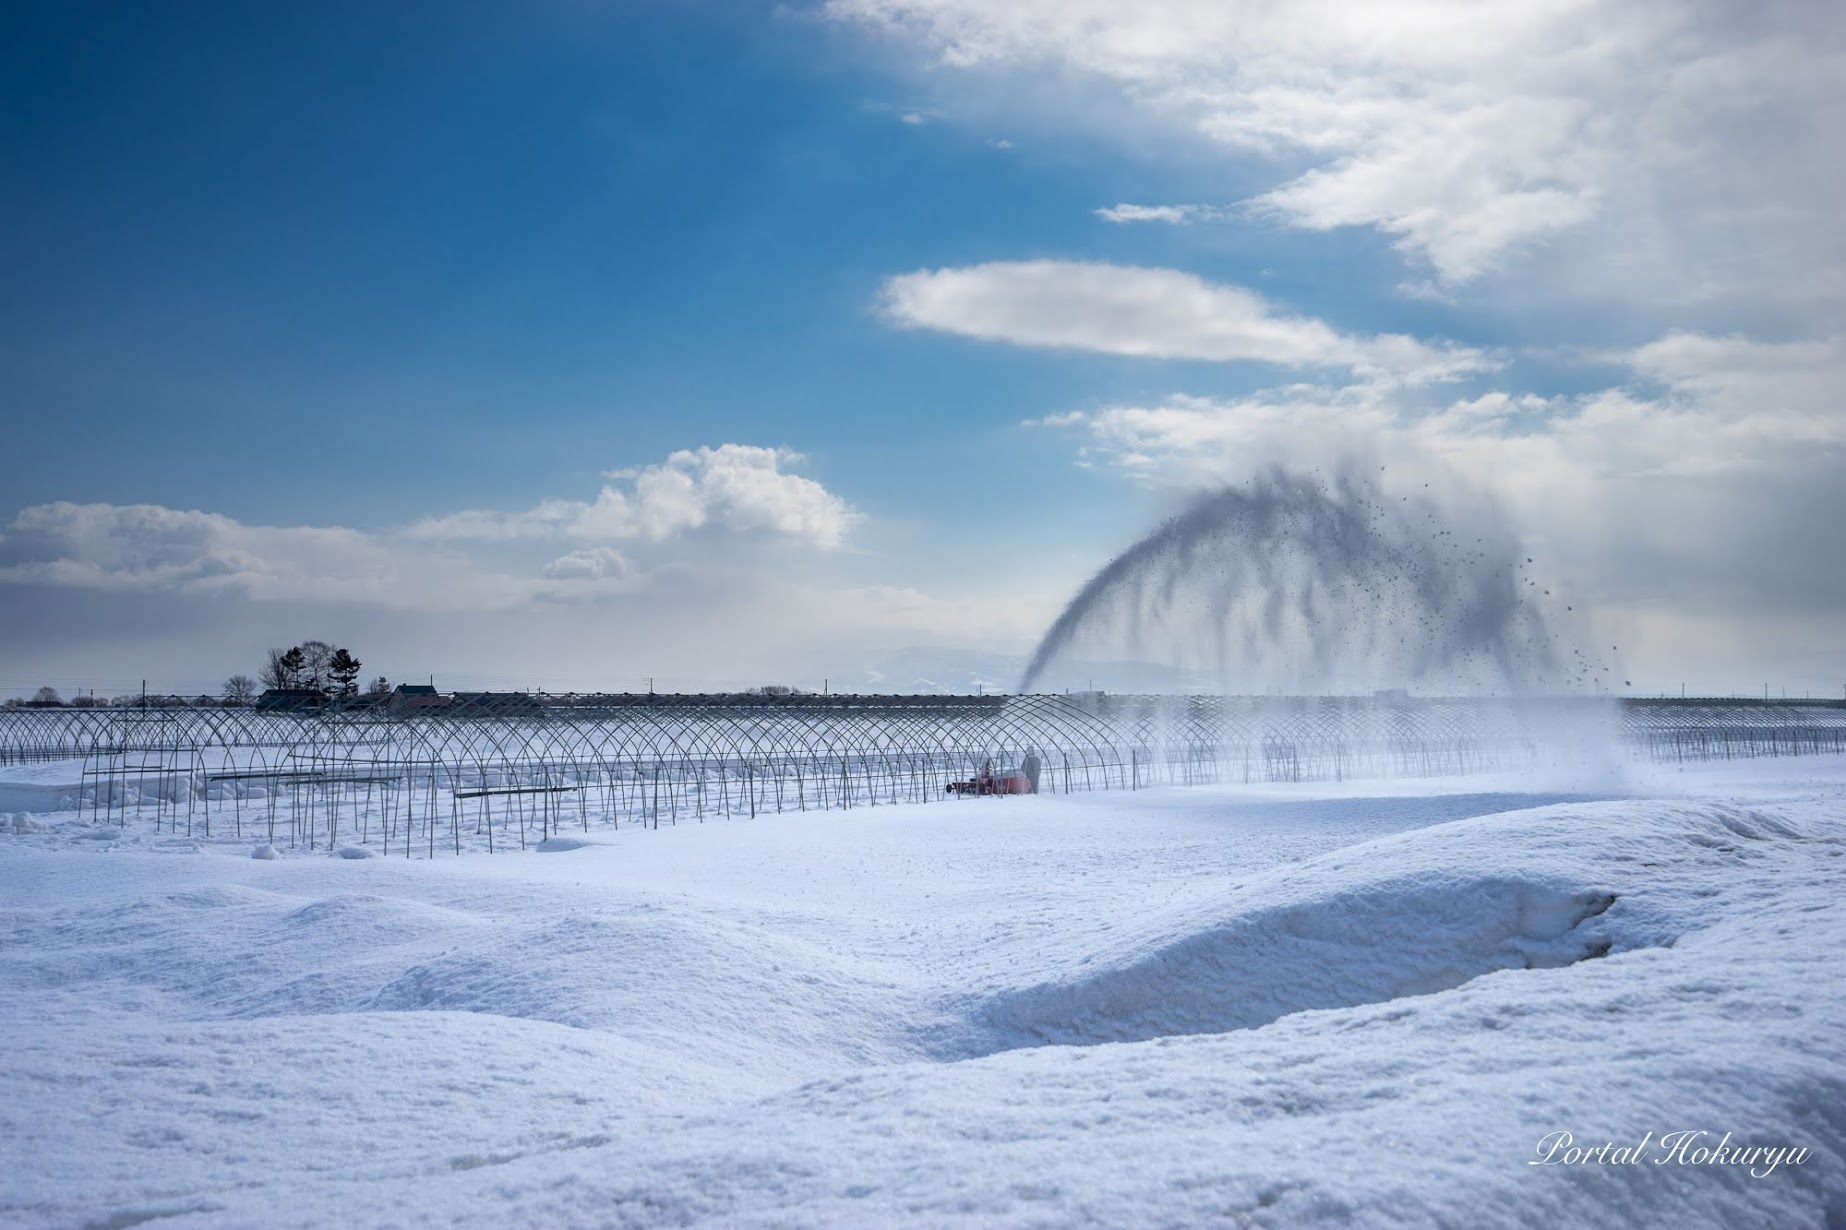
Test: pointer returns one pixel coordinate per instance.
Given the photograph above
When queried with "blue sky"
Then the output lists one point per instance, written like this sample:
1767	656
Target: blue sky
487	246
357	269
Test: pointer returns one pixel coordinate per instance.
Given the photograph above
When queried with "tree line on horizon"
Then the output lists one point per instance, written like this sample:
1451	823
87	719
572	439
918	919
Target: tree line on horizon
313	667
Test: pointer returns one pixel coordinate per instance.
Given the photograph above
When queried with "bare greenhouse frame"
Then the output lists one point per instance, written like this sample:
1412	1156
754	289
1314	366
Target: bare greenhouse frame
460	775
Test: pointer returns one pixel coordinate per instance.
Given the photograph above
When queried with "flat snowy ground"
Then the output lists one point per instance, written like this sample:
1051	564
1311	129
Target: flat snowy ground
1363	1005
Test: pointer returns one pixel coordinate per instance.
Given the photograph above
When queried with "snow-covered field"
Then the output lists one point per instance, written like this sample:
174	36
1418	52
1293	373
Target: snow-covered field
1370	1004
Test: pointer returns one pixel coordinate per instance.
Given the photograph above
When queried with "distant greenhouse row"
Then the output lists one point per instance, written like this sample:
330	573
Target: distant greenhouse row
451	771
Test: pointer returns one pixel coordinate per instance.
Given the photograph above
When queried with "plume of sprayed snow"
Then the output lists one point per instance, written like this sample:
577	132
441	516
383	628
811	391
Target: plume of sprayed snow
1300	584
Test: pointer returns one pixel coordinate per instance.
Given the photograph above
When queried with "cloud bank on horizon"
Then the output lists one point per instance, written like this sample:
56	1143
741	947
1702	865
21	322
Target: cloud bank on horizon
731	491
1608	285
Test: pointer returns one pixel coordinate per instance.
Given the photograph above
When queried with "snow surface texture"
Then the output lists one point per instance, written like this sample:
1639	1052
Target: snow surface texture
1268	1006
49	786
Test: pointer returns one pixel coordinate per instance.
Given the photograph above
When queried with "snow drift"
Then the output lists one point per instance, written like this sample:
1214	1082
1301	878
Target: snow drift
1274	1007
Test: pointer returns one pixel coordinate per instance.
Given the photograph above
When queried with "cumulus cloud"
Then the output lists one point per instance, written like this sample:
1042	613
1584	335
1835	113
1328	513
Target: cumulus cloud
732	489
100	592
1668	132
737	488
1155	313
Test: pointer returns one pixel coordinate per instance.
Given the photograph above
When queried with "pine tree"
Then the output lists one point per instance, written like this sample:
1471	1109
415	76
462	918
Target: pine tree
343	672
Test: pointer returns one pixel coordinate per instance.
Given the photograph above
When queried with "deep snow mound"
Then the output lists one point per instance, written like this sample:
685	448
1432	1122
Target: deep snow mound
1406	915
1389	939
658	978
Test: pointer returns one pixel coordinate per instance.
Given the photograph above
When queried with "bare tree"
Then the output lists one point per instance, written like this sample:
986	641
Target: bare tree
379	687
282	669
312	666
239	690
316	665
47	696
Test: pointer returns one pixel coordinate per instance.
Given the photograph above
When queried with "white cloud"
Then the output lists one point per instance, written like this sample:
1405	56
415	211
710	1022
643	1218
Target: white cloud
1190	441
1178	215
1740	374
148	547
1156	313
735	488
138	589
1693	143
1728	405
589	564
548	520
1717	490
1591	172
